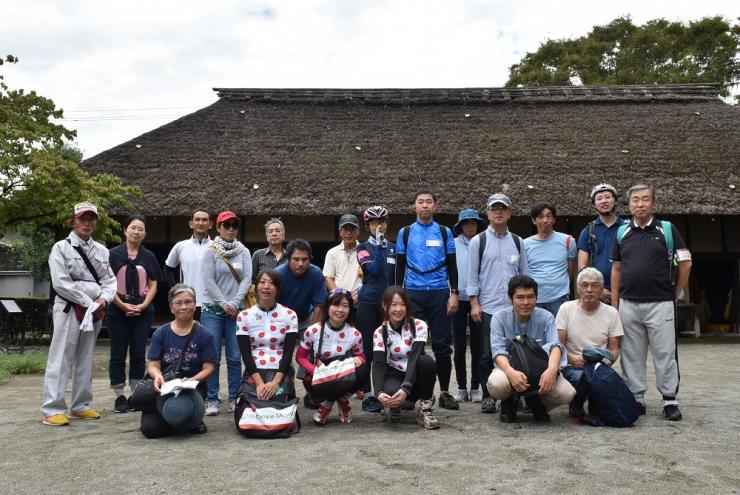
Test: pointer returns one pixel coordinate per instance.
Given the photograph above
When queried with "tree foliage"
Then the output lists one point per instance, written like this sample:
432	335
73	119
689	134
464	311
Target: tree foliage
40	176
659	51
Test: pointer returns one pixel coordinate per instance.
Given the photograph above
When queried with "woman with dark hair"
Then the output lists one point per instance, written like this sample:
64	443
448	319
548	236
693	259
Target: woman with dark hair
130	316
401	370
185	341
227	273
267	334
334	338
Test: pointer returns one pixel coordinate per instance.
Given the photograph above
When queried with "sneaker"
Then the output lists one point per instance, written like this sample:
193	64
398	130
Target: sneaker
86	414
427	419
345	411
461	395
643	409
672	413
394	415
200	429
488	406
476	396
319	417
56	420
121	404
360	394
371	404
447	401
212	407
507	412
232	405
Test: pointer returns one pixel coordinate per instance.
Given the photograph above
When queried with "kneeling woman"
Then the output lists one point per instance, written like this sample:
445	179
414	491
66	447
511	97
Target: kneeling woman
267	334
401	369
333	339
185	345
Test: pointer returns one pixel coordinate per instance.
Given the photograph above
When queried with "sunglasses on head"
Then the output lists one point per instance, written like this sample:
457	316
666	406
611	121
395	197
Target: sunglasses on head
230	225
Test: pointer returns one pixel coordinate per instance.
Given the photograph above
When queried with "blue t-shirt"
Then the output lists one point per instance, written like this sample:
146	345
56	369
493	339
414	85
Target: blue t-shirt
548	264
166	347
378	269
301	294
603	246
426	250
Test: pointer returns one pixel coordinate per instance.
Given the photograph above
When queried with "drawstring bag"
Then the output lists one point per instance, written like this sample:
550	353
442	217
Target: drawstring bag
334	379
272	418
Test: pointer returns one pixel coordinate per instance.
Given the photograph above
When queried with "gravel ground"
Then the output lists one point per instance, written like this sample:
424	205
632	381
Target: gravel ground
471	453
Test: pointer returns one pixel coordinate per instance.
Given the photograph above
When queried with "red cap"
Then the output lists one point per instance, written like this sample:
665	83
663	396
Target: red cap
227	215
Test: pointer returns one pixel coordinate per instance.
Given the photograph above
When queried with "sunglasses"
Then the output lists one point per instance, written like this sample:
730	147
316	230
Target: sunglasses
230	225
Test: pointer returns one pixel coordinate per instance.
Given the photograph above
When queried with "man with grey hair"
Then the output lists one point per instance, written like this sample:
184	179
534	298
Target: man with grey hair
586	322
274	254
644	255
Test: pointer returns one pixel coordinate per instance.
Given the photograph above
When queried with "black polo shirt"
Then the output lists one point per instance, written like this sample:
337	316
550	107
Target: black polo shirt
646	272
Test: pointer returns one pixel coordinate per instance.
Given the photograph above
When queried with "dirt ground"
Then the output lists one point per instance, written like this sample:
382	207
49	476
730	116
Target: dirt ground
471	453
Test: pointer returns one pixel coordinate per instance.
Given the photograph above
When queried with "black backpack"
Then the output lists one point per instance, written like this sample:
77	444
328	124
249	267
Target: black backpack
530	358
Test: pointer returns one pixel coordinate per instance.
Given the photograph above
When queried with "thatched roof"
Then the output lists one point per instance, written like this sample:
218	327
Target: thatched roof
329	151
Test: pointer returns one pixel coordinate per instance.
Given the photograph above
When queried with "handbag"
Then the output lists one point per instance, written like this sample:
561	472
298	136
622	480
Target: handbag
334	379
144	393
531	359
268	418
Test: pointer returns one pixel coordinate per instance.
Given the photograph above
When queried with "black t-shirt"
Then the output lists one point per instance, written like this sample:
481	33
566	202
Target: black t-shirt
646	271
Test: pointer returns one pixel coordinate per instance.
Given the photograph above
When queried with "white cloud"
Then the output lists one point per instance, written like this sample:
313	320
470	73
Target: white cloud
90	55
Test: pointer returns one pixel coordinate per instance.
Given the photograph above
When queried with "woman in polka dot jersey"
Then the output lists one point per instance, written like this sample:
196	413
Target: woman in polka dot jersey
401	370
267	335
341	340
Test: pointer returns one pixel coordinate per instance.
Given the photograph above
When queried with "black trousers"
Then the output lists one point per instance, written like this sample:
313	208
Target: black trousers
486	357
367	319
423	387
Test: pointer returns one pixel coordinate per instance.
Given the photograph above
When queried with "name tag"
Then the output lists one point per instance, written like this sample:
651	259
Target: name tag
683	255
390	261
434	243
237	266
514	259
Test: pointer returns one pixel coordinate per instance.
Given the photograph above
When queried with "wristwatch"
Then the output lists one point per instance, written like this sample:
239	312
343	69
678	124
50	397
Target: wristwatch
454	291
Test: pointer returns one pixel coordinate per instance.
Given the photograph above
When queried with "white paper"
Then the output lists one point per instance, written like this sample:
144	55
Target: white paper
176	386
87	324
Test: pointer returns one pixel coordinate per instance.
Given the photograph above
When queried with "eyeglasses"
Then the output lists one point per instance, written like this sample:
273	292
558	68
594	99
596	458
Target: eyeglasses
230	225
183	302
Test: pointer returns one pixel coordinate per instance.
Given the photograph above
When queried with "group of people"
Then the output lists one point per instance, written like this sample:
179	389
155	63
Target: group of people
377	304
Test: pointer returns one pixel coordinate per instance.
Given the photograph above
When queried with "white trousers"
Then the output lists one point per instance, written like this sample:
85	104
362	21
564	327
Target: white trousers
70	350
562	393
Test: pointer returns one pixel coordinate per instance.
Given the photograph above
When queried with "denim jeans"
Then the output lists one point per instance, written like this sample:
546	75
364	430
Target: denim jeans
223	327
128	335
553	306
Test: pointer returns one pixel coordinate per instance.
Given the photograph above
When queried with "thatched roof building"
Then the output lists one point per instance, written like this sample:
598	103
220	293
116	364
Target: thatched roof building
312	152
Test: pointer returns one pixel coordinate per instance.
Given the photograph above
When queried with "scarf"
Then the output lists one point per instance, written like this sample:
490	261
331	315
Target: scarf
227	249
144	258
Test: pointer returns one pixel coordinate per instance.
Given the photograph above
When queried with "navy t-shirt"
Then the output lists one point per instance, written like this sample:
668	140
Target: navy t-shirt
301	294
166	347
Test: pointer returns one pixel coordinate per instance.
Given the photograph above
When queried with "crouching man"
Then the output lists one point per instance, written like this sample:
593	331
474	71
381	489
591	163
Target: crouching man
586	322
506	383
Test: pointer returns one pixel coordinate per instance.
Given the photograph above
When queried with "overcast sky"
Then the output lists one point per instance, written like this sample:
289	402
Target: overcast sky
120	69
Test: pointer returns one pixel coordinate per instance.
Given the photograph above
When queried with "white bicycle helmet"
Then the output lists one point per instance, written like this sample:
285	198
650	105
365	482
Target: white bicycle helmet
601	188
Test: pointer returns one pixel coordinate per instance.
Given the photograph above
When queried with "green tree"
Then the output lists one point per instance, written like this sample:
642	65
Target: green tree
40	176
33	249
618	53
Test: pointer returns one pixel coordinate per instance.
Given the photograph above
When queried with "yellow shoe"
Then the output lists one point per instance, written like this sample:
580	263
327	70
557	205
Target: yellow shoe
86	414
56	420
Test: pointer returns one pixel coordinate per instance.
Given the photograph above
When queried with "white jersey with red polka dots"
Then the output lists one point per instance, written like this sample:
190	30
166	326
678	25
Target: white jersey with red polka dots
336	342
266	331
399	346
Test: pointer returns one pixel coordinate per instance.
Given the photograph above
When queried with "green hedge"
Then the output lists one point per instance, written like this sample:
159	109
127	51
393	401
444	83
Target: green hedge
35	313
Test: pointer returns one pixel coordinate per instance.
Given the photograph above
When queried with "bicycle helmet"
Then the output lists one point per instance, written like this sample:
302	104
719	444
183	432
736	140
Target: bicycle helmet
375	213
601	188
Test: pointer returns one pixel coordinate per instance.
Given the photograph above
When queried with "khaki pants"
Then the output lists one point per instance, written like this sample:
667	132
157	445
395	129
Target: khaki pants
71	351
500	388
